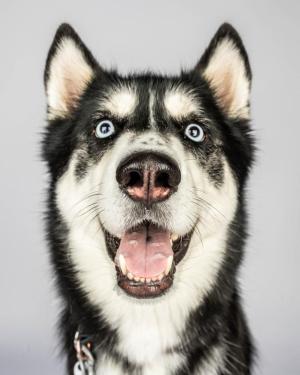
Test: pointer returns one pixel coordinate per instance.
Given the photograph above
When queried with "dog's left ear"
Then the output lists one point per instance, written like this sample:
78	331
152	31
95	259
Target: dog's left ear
70	67
225	66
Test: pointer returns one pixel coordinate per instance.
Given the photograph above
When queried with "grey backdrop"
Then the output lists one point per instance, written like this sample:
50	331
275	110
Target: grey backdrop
163	35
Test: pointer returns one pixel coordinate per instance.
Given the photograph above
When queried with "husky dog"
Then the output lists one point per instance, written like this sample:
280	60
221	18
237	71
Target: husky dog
146	216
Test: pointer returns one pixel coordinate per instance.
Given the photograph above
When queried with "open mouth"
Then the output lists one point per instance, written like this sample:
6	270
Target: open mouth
145	258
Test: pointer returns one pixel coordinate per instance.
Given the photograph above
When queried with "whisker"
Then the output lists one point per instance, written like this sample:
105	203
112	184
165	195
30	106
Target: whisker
84	211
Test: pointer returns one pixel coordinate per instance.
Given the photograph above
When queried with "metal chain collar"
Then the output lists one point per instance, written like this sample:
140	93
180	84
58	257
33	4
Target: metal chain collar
85	364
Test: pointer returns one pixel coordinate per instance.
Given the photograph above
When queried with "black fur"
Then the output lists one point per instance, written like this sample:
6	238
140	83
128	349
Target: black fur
220	318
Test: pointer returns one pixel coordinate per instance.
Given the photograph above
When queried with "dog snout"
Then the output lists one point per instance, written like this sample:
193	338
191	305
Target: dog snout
148	177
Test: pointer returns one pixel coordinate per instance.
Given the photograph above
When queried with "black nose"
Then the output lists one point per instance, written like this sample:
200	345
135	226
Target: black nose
148	177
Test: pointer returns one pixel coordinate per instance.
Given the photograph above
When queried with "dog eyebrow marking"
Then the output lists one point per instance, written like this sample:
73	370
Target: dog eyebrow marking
120	102
181	103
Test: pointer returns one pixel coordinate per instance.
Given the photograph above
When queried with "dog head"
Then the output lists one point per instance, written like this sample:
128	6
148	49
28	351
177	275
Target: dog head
147	171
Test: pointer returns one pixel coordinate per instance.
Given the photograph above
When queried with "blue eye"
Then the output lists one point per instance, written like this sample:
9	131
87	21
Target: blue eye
104	129
195	132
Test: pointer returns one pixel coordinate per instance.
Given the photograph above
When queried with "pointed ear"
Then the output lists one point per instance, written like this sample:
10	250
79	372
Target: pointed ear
70	67
225	66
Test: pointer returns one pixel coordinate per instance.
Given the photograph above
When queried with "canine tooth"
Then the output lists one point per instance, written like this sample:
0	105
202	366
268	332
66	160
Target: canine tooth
122	264
169	264
160	277
130	276
174	237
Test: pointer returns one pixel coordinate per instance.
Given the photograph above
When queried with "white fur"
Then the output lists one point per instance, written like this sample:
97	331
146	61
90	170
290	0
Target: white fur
213	364
180	103
161	366
120	102
146	328
226	73
151	107
108	366
69	74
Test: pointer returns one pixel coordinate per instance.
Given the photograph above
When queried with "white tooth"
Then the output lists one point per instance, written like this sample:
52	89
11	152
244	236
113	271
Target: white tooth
142	279
148	280
130	276
136	278
174	237
169	264
154	278
160	277
122	264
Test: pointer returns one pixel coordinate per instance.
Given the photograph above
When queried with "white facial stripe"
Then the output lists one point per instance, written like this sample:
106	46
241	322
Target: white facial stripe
151	108
69	75
227	74
180	103
120	102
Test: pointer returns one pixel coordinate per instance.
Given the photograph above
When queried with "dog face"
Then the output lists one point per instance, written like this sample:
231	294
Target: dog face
146	171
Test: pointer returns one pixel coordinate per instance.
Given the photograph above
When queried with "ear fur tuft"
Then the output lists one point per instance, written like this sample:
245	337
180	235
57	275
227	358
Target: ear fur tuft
225	66
70	67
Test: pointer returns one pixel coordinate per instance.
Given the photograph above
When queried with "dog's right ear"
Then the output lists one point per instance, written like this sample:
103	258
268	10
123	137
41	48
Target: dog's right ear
70	67
225	66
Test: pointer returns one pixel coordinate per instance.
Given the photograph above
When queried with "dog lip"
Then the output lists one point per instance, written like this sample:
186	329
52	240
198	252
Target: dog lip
143	290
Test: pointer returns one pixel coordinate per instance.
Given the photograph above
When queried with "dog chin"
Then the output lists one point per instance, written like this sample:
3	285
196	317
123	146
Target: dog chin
145	258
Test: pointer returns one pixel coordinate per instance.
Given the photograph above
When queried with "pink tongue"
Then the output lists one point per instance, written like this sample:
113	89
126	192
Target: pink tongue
146	251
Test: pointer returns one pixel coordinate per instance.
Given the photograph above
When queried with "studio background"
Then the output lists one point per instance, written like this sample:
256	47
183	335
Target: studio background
163	35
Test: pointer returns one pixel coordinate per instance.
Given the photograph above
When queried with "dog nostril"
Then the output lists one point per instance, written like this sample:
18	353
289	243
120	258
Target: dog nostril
162	179
134	178
128	177
168	179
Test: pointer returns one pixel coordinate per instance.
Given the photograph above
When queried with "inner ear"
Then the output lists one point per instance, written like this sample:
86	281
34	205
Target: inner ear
225	66
69	69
